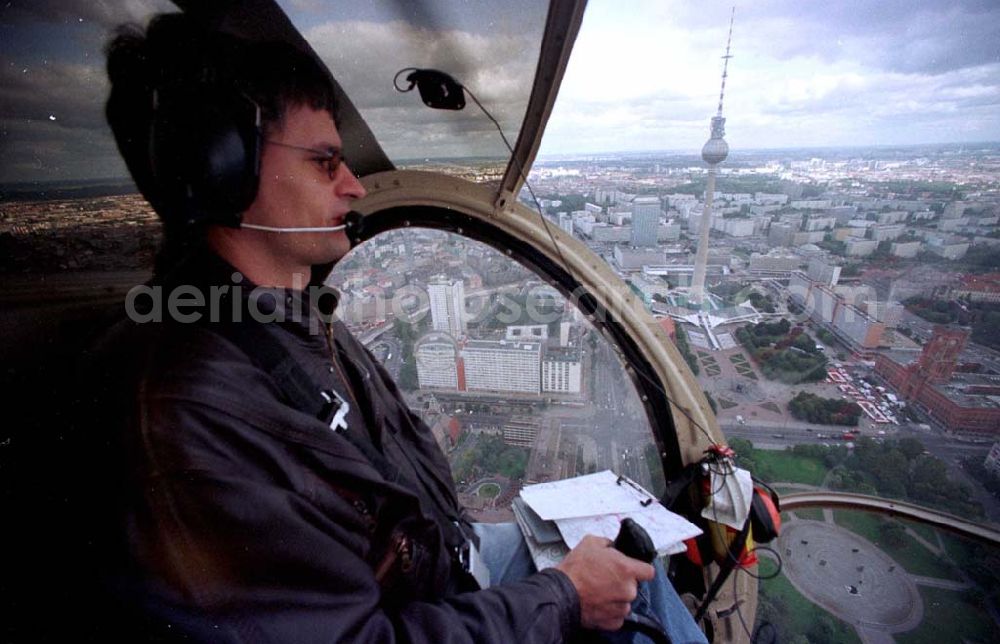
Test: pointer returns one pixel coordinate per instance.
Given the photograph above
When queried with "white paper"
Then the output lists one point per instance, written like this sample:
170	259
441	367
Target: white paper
597	503
667	529
583	496
548	555
732	493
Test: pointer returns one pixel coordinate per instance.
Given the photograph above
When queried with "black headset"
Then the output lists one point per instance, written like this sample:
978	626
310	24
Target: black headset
204	149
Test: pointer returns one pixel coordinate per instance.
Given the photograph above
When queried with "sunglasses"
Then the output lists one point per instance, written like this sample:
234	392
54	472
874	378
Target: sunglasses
330	159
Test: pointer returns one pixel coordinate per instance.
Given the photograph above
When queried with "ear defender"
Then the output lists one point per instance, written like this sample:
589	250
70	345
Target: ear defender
204	152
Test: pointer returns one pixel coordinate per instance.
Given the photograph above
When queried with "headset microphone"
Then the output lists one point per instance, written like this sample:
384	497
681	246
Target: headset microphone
314	229
351	220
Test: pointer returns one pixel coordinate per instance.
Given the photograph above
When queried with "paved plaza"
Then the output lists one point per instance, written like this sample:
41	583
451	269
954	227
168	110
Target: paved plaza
851	578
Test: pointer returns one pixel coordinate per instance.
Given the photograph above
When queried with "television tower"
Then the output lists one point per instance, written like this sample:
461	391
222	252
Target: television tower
713	153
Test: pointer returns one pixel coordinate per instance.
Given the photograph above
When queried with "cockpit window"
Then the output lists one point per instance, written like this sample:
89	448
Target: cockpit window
489	47
841	317
517	385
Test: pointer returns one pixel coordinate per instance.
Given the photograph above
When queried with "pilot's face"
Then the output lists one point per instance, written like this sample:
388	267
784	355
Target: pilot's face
297	189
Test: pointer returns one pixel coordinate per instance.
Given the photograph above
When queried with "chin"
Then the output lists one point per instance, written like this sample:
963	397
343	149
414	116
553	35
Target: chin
335	248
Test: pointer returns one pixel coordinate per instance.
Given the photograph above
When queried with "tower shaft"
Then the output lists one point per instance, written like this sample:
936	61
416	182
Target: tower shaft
696	294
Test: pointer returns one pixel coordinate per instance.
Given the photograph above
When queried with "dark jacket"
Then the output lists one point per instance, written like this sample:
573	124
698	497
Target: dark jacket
238	517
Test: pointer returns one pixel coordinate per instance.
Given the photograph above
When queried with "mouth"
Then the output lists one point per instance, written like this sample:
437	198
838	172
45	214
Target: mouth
339	218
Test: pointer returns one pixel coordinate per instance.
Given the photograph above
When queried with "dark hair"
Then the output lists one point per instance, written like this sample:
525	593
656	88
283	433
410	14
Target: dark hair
176	51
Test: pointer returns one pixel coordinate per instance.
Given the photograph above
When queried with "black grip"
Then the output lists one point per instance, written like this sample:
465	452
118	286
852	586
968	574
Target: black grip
633	541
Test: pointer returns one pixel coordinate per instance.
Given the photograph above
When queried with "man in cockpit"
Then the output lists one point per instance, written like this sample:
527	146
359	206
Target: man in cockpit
269	483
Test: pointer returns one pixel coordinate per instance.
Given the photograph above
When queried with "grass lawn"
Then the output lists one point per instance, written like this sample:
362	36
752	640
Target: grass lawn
923	530
726	404
488	490
799	613
948	617
788	468
960	550
810	514
912	556
864	524
770	406
977	560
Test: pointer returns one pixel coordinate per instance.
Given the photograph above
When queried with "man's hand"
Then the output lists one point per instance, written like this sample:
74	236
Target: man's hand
606	581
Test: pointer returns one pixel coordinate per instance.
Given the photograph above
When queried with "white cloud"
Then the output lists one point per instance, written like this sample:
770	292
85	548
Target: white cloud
365	56
652	74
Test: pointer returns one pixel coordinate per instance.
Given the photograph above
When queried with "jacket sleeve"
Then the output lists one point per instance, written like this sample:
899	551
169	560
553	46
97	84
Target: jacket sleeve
398	405
263	564
217	531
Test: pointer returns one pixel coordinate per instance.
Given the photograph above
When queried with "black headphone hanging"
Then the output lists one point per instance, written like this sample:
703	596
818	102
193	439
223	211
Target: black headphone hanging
204	151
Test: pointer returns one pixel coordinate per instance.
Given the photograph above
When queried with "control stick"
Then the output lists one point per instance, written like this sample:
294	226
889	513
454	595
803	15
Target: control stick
633	541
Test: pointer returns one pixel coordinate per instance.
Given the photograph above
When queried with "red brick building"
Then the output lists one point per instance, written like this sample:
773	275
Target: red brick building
669	326
978	288
963	403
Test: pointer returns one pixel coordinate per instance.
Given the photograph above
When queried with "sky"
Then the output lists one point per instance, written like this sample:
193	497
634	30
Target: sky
644	75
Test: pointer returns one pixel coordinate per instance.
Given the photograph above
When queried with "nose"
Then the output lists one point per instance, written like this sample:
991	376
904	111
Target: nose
348	185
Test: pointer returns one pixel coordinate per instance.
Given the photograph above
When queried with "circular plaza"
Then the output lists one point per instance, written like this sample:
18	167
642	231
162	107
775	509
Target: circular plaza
849	576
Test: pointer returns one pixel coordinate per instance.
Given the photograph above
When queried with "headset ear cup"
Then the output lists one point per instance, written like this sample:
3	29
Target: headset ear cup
205	154
765	517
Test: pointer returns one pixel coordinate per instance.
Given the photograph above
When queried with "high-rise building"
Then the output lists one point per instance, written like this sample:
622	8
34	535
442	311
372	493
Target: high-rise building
645	220
780	234
562	371
502	366
566	222
436	362
774	264
521	431
447	300
823	272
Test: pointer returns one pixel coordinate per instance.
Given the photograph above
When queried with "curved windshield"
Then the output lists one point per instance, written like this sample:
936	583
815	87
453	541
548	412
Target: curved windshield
841	314
517	385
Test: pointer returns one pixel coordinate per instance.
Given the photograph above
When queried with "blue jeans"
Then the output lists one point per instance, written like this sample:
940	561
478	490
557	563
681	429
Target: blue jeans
505	554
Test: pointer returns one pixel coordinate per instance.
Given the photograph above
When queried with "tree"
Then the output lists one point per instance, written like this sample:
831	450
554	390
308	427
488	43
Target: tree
892	534
744	453
682	345
408	380
408	364
826	411
823	630
711	402
911	448
893	474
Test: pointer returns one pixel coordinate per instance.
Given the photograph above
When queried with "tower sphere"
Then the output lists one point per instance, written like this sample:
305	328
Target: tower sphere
715	151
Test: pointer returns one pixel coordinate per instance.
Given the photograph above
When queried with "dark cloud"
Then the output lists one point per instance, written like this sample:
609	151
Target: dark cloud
31	151
73	94
53	115
103	12
920	36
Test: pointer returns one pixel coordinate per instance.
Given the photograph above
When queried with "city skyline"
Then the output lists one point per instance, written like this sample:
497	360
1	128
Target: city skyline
859	73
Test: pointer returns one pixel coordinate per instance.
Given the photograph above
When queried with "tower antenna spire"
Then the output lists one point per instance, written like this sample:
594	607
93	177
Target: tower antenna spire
726	57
